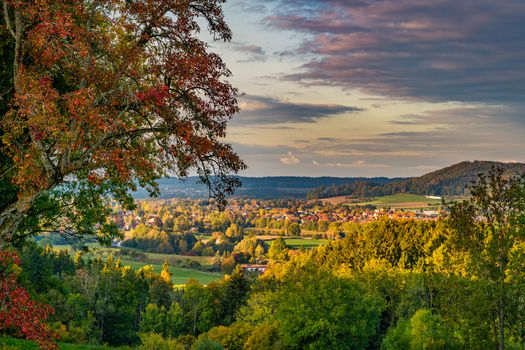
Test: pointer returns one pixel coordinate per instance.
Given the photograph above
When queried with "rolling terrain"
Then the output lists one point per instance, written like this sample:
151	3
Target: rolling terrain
449	181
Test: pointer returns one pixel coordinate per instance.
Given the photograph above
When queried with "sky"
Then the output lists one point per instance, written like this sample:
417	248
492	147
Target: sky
375	87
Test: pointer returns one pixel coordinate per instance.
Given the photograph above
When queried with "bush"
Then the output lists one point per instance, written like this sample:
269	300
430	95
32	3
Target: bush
423	331
204	343
153	341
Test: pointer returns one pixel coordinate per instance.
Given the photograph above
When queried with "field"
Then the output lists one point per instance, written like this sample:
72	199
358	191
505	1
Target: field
403	201
272	232
332	200
296	243
12	344
180	275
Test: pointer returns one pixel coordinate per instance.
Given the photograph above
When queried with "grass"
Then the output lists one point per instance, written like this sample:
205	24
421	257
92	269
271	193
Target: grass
152	258
404	201
275	231
179	275
12	344
298	243
160	258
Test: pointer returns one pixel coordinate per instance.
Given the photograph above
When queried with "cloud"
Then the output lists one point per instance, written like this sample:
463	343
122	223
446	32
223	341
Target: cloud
267	110
444	50
253	53
253	49
354	164
290	159
432	140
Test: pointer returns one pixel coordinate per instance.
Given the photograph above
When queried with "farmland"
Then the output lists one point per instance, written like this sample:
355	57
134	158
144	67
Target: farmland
403	201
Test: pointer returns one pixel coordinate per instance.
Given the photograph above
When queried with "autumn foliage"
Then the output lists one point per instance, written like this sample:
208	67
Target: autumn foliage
19	315
111	94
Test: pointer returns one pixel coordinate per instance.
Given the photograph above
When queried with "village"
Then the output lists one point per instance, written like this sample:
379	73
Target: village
264	216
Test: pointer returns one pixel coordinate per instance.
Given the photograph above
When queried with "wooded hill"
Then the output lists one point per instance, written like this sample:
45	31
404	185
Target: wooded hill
451	181
270	187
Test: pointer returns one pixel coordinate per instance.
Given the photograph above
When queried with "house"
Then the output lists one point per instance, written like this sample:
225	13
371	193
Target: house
254	268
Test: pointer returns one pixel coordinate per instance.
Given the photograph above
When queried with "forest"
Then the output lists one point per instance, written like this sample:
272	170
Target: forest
453	180
99	98
453	283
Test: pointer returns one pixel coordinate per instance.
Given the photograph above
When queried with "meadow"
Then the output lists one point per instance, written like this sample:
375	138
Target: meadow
180	275
20	344
403	201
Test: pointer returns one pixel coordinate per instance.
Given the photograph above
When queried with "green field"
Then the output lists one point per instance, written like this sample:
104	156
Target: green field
180	275
298	243
12	344
403	201
277	231
152	258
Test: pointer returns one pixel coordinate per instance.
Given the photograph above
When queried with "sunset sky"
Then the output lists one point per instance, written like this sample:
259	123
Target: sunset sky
376	88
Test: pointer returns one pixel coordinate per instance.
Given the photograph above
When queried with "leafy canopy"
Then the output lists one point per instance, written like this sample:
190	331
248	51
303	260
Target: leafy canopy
99	96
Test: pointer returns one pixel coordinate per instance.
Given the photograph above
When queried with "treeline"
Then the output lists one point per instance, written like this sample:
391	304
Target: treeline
389	284
230	248
271	187
154	240
104	302
455	283
452	180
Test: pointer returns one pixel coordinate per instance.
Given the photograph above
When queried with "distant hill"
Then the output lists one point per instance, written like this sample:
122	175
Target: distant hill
273	187
452	181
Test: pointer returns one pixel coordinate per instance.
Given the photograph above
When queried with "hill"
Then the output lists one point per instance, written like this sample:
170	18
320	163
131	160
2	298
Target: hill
451	181
271	187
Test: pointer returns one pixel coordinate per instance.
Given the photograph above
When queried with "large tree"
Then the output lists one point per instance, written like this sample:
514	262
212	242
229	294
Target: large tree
99	96
489	239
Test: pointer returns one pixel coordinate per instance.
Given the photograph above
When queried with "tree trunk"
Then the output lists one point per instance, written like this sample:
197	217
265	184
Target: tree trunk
501	323
10	219
501	303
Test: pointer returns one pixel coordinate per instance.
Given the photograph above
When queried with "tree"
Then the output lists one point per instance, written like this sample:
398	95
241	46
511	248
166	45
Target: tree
18	313
165	274
424	330
101	96
198	307
335	312
236	289
489	228
204	343
278	249
293	229
153	320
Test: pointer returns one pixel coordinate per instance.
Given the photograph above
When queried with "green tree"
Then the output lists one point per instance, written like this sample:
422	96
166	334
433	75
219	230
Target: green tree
424	331
198	307
278	249
204	343
174	321
489	228
314	309
153	319
293	230
236	289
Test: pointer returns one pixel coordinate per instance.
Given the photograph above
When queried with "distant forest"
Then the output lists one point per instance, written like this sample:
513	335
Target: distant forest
450	181
270	187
